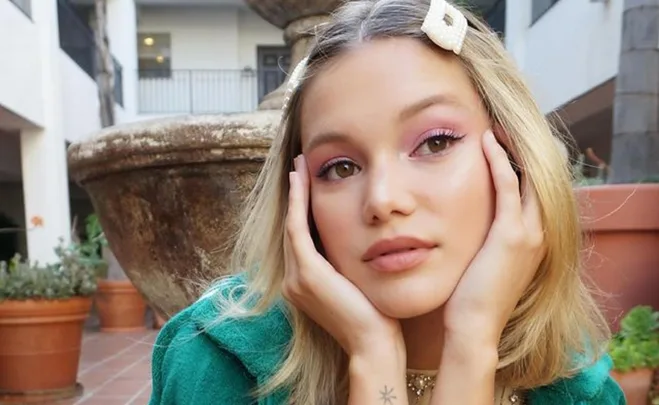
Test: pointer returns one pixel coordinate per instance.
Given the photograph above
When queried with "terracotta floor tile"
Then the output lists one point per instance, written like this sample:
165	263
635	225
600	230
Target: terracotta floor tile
121	362
105	401
121	387
94	379
139	371
115	369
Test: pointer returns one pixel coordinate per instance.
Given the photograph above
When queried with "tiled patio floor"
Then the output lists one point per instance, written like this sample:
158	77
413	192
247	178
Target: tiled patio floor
115	369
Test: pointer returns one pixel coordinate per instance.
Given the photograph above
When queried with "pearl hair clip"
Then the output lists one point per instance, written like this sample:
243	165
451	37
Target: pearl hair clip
444	24
294	80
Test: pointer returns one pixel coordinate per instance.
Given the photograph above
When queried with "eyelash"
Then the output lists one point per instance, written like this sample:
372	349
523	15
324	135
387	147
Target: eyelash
447	135
443	134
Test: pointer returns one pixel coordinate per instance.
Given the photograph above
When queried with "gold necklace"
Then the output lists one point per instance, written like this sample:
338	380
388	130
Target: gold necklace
420	383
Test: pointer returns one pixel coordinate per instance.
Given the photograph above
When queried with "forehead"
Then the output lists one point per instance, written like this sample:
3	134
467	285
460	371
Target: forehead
379	80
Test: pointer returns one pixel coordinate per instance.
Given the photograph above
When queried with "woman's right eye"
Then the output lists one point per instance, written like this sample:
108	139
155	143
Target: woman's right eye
337	170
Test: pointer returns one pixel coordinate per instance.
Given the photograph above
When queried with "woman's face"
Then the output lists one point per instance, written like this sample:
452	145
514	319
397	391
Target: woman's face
401	192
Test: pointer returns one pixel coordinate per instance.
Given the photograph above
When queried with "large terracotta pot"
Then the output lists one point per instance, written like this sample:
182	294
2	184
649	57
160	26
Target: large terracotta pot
621	222
40	344
120	306
635	384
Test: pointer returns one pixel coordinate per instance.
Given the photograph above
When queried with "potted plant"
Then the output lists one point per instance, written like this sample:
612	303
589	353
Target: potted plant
621	224
635	353
42	315
120	306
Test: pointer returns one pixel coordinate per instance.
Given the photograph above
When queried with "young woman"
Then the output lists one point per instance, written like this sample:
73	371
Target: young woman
413	237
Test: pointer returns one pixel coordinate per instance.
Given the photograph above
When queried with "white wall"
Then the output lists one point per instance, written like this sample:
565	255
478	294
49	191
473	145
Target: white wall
122	33
210	47
572	48
252	32
20	74
80	105
201	37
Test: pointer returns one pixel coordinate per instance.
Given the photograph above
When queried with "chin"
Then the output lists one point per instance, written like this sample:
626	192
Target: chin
409	299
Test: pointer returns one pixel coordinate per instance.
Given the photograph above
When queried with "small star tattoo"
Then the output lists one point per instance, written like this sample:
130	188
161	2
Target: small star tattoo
386	396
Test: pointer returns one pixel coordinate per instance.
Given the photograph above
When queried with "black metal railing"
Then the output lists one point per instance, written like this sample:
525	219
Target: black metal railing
24	5
167	91
77	40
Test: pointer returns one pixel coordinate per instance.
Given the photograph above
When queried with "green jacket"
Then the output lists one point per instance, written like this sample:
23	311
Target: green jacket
194	364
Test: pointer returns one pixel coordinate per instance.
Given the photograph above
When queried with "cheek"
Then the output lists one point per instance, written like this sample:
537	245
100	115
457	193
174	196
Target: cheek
332	216
466	199
463	201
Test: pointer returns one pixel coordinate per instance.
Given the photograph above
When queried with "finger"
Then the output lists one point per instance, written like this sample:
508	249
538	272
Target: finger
506	183
303	170
297	224
290	264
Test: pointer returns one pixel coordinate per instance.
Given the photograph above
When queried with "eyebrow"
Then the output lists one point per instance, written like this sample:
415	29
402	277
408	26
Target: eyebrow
443	98
407	112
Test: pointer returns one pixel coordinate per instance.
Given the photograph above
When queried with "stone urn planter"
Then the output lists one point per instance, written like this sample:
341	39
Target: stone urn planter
621	222
167	193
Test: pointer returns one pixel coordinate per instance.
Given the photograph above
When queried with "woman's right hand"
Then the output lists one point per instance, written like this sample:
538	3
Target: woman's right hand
313	285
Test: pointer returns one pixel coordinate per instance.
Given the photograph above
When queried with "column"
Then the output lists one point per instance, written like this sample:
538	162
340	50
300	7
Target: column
45	192
635	141
122	33
43	151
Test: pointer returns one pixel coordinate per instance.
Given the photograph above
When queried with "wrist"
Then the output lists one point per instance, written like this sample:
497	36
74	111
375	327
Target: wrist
473	330
467	371
470	350
379	371
389	355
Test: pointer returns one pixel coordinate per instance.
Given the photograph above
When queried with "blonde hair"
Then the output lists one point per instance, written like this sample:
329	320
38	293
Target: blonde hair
555	329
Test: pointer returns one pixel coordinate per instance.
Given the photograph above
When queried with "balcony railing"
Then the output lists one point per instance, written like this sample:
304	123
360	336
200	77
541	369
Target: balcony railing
77	40
24	5
197	91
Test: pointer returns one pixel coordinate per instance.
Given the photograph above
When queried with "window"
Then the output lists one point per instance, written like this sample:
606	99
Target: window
154	55
540	7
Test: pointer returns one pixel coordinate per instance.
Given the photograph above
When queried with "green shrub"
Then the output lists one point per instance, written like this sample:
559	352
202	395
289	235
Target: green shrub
70	277
636	345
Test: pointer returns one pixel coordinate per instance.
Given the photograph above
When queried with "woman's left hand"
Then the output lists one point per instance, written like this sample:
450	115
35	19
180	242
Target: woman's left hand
496	278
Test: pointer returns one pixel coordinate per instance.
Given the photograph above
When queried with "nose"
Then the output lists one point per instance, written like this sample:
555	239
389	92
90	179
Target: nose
388	194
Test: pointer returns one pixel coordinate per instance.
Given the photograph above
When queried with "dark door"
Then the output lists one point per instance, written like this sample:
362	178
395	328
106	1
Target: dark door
273	65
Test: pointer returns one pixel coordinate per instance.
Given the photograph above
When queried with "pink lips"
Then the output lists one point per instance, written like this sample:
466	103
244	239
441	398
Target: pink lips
398	254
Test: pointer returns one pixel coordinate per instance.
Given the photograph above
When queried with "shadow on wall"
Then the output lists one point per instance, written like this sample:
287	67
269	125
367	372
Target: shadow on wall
8	237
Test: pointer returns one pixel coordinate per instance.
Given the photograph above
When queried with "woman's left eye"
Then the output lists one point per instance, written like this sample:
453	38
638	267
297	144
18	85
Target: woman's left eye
436	144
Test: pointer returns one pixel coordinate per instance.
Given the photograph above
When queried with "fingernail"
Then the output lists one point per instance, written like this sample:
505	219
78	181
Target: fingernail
489	134
296	162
